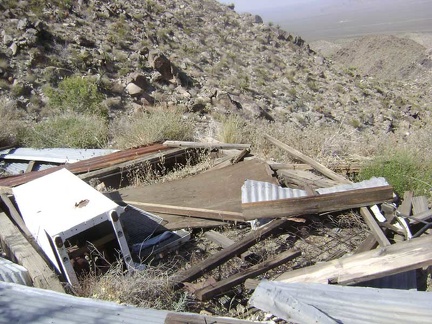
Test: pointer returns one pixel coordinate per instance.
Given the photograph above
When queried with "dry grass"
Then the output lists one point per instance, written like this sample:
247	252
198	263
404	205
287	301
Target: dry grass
10	123
148	128
150	288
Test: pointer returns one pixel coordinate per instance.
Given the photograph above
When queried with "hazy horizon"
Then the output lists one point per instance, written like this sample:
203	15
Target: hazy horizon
332	19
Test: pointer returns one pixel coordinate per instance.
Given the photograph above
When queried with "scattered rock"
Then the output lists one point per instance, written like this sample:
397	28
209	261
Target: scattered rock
134	90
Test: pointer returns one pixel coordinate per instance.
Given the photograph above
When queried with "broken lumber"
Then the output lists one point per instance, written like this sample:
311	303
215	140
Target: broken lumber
325	171
21	251
292	207
13	212
190	212
378	263
224	255
306	178
347	168
224	285
304	158
213	146
379	235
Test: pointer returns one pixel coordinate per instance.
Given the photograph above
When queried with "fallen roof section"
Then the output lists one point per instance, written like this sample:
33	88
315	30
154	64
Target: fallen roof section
23	304
318	303
396	258
92	164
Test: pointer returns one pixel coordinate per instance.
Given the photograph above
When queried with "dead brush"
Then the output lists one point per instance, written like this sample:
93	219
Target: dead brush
149	288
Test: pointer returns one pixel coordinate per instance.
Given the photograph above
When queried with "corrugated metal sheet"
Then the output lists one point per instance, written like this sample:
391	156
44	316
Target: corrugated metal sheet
16	160
12	272
343	304
21	304
371	183
54	155
255	191
405	280
88	165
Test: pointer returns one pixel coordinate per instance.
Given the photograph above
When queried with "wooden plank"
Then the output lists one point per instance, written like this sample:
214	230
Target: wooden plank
226	284
420	205
406	206
222	146
347	168
379	235
306	178
224	255
240	156
368	244
13	212
179	318
30	166
6	190
324	170
219	239
190	212
224	242
22	252
120	167
378	263
292	207
304	158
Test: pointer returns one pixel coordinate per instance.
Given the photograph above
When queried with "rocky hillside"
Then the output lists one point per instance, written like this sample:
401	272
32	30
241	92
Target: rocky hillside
387	57
200	55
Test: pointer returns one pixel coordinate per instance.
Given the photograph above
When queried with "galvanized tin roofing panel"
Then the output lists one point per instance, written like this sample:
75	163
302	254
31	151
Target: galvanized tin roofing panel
343	304
21	167
53	155
371	183
12	272
21	304
255	191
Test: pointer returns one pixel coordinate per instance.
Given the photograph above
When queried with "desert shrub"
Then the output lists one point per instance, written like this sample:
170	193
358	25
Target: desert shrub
10	123
232	129
67	130
77	94
150	288
403	171
152	127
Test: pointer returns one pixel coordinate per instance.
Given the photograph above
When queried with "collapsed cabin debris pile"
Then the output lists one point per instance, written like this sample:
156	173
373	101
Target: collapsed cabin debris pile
68	220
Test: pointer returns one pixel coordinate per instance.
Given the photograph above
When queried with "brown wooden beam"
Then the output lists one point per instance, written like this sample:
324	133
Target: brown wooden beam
292	207
190	212
224	285
383	261
226	254
222	146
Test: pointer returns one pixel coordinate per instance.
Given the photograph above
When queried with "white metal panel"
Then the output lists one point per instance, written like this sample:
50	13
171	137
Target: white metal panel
255	191
53	155
51	204
371	183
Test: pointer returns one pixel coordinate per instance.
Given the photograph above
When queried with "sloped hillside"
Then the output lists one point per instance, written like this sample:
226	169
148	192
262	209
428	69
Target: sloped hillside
198	55
386	57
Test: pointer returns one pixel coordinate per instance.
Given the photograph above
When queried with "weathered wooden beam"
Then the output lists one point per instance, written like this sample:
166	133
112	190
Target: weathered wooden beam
406	206
235	249
221	146
327	172
13	212
22	252
30	166
383	261
376	230
419	205
306	159
6	190
302	178
292	207
190	212
368	244
224	285
179	318
151	158
240	156
219	239
347	168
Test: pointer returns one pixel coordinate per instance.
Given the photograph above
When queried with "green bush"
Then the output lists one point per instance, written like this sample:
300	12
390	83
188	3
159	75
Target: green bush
77	94
148	128
403	171
68	130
